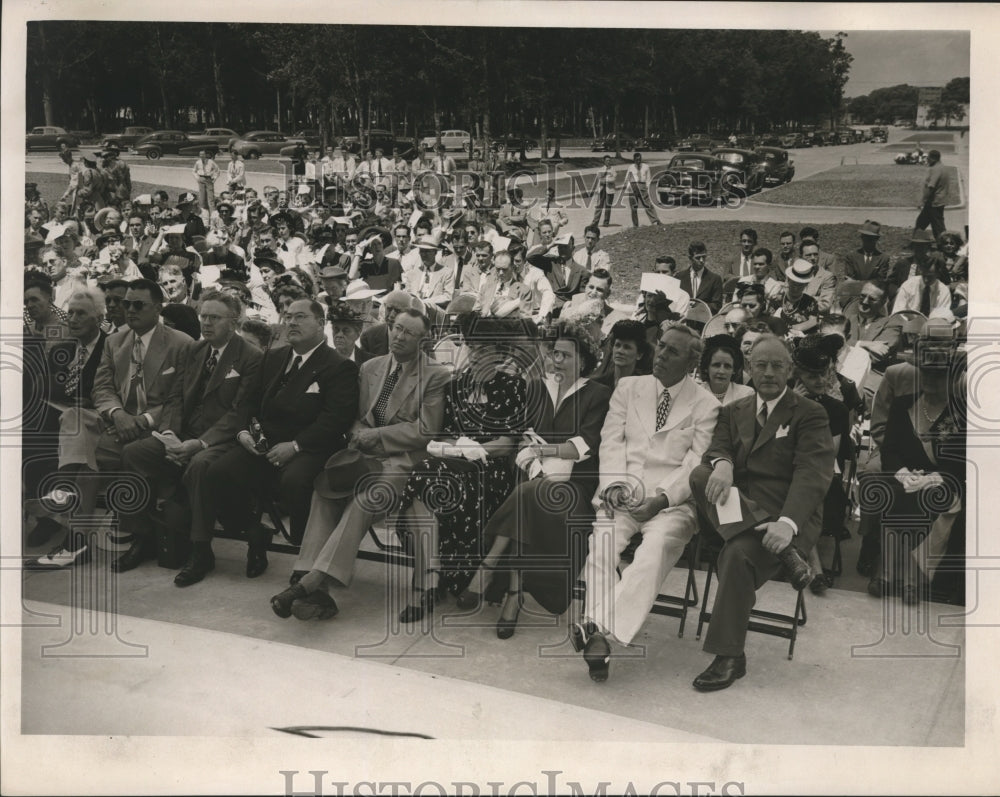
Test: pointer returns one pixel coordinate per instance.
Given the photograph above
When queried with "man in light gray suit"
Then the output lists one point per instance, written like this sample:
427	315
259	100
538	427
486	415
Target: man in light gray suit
401	409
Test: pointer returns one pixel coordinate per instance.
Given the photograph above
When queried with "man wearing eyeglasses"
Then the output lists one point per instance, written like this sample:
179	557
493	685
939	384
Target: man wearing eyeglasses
305	398
869	327
137	390
401	409
223	365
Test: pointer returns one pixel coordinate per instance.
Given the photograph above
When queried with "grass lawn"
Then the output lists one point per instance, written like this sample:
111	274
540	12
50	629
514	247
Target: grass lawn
931	135
861	186
634	250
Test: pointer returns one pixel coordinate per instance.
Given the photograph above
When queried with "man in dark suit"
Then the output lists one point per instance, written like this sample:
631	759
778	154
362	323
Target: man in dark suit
867	262
137	390
138	241
700	282
68	427
400	411
223	365
775	448
305	399
741	267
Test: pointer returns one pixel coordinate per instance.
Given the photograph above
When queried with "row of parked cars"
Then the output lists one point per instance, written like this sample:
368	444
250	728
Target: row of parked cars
722	174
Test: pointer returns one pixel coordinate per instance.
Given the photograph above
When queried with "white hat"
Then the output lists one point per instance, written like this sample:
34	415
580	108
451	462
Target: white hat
428	242
55	232
800	271
143	199
359	290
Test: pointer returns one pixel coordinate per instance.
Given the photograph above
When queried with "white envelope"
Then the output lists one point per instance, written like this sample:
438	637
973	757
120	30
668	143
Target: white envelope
170	370
313	388
782	432
232	374
730	512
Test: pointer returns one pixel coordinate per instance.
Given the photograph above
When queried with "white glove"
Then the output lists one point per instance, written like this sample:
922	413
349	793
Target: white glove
525	456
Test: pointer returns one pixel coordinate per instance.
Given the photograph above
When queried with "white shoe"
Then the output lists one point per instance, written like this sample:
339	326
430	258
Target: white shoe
58	500
59	559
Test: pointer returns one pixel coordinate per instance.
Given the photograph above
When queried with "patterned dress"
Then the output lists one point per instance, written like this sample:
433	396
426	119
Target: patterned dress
463	494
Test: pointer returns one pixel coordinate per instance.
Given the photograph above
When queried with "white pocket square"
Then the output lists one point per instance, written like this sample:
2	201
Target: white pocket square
233	373
782	432
170	370
313	388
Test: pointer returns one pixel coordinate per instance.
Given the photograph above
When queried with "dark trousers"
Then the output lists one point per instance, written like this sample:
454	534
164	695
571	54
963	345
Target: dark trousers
744	566
932	215
235	479
604	202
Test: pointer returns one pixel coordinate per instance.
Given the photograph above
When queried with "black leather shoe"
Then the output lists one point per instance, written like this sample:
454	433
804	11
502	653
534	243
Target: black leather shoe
597	654
414	614
721	673
256	562
281	603
199	565
878	587
296	576
820	584
799	572
140	551
319	605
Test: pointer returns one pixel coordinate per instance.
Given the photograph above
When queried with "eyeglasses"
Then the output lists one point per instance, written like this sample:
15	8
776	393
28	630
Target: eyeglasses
133	304
403	332
559	356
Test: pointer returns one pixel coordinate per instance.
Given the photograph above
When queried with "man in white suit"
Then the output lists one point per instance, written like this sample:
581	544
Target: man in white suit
656	431
401	409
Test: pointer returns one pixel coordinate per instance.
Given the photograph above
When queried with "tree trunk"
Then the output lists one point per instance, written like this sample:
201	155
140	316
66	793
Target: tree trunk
220	94
47	109
593	121
544	133
277	95
673	111
645	125
618	148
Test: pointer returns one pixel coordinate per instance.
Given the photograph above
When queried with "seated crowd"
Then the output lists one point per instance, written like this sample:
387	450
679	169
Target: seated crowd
462	375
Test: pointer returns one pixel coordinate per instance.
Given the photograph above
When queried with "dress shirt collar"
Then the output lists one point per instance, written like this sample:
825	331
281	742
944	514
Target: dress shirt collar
674	390
552	385
306	356
770	404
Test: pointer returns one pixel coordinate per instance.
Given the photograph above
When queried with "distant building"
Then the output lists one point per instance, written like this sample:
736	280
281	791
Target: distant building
929	96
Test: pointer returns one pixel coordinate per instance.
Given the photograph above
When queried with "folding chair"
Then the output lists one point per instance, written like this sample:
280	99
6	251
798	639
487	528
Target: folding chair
762	622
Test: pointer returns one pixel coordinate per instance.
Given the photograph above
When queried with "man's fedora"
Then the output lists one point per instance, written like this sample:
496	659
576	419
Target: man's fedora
343	472
871	229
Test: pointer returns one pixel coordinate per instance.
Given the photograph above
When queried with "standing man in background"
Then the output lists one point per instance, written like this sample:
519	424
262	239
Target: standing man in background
936	189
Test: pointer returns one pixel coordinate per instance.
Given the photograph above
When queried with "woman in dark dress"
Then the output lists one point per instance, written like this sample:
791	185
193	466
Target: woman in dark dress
925	449
543	526
451	494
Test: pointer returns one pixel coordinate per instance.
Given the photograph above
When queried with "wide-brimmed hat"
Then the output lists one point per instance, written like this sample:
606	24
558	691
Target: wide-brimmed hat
101	217
175	229
343	472
359	290
54	231
107	234
186	198
922	237
333	272
345	314
871	228
800	271
381	232
428	242
270	261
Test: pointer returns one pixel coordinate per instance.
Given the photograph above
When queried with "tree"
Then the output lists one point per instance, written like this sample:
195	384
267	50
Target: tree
956	91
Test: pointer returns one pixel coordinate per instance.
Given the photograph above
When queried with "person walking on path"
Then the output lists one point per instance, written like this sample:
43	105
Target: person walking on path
936	189
637	187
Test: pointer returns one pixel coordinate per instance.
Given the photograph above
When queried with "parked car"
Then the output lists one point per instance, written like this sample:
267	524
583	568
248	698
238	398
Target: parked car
748	162
126	138
513	143
220	136
607	144
778	167
378	138
171	142
655	142
263	142
845	136
792	140
460	140
49	138
700	178
696	142
879	135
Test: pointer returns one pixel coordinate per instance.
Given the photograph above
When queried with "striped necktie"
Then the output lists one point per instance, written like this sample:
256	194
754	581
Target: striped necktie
662	409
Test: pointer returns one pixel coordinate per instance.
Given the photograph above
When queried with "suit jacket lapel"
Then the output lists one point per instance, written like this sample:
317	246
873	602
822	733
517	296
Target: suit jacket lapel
406	384
780	417
746	421
123	363
225	362
154	357
376	378
680	407
645	405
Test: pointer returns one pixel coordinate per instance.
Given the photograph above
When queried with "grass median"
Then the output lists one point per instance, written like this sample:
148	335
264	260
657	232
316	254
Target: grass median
859	186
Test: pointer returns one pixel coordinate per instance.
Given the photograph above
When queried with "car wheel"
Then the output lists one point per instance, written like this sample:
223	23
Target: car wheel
153	154
253	155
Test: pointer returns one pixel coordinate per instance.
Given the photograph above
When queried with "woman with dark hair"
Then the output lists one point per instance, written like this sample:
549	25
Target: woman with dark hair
549	514
753	299
470	471
721	362
950	244
182	317
626	353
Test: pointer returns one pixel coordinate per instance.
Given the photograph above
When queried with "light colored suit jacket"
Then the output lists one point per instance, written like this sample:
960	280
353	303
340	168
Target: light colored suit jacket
415	413
632	450
167	358
822	287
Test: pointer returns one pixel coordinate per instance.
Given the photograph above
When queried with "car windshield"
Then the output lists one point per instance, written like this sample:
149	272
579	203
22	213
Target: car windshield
695	162
731	157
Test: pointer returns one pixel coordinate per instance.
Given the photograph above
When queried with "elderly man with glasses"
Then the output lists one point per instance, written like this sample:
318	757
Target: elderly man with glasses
869	326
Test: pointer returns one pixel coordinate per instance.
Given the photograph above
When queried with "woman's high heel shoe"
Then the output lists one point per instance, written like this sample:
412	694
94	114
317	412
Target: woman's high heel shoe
414	614
505	628
472	599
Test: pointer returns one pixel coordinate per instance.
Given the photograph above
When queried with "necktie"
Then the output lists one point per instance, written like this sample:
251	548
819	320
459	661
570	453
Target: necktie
589	267
761	420
694	284
925	299
382	402
75	371
291	372
211	362
662	410
135	401
745	272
